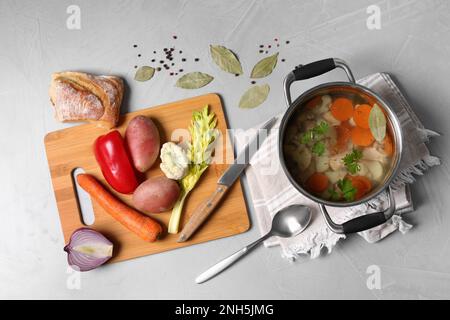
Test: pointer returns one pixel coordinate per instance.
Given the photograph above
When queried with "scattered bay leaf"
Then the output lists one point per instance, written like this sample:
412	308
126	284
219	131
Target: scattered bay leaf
377	123
194	80
225	59
264	67
254	96
144	73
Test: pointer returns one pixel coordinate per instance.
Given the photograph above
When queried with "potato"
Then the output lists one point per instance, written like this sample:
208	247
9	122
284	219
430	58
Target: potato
376	170
142	138
322	163
336	162
156	195
335	176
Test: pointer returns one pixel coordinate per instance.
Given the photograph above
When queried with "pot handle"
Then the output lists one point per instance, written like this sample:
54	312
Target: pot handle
311	70
361	223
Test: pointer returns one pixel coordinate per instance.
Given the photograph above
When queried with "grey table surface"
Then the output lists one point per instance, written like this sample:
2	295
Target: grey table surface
413	44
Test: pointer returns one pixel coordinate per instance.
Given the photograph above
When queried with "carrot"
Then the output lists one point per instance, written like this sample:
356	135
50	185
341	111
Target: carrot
342	109
142	225
361	115
360	187
362	137
314	102
361	184
317	182
388	146
342	137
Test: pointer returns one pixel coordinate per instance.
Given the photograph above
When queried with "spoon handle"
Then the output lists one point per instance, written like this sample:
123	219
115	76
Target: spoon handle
227	262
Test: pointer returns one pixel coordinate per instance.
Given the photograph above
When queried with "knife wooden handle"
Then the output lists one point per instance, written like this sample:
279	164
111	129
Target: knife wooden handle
202	212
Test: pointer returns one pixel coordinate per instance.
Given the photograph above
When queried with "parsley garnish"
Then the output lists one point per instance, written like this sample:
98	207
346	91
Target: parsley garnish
347	189
334	195
322	128
312	134
351	161
307	137
318	148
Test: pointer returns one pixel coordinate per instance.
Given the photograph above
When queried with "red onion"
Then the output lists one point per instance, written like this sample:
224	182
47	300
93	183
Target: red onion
88	249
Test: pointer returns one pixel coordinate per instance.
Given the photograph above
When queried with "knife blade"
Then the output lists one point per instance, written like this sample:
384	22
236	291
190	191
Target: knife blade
227	179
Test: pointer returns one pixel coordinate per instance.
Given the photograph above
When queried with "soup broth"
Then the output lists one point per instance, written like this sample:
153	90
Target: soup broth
337	147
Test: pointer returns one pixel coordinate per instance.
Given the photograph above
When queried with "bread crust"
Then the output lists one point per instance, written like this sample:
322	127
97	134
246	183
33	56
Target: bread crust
79	96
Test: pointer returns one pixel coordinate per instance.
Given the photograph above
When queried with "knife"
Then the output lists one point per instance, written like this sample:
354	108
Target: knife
224	183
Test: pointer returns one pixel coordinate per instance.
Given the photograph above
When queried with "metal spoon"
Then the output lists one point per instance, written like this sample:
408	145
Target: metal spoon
286	223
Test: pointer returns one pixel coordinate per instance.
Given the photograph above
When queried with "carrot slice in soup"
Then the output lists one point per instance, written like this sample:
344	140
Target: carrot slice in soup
361	115
362	137
388	145
317	183
361	184
342	109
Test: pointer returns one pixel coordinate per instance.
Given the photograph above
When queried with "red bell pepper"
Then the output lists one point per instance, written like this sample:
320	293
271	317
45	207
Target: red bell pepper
115	163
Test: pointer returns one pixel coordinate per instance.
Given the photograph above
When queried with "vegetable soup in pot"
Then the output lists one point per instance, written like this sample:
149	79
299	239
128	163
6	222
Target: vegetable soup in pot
339	145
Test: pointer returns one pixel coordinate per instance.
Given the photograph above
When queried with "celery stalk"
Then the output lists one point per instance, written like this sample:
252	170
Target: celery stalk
203	134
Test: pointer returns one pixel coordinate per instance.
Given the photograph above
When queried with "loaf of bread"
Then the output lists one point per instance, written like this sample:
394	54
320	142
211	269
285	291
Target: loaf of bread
79	96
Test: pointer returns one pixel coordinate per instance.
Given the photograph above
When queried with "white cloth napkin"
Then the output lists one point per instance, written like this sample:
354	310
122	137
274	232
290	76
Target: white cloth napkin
271	191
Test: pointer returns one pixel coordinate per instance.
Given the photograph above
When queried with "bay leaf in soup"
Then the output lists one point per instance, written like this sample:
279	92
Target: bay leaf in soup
254	96
377	123
194	80
264	67
225	59
144	73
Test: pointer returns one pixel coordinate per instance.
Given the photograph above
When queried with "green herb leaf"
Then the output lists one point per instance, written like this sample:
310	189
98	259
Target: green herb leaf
351	161
194	80
225	59
313	133
322	128
264	67
377	123
254	96
347	189
334	195
144	73
306	137
318	148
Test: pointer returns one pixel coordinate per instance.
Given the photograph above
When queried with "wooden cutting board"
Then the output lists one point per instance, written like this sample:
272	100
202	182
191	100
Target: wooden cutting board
71	148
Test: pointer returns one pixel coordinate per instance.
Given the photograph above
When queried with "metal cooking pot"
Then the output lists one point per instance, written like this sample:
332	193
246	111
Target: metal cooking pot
317	68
